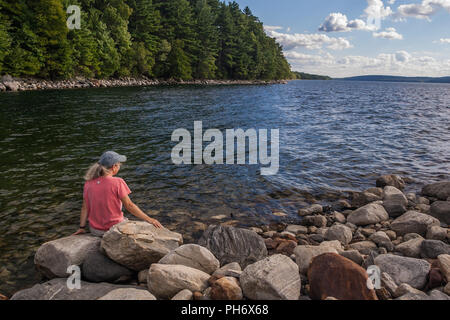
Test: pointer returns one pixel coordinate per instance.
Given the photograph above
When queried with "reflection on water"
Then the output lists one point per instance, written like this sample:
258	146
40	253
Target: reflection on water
334	136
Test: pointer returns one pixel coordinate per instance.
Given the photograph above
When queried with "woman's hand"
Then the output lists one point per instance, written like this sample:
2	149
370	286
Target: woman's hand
155	222
80	231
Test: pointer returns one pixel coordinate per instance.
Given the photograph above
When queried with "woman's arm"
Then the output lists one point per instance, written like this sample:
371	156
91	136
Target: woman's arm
135	211
83	219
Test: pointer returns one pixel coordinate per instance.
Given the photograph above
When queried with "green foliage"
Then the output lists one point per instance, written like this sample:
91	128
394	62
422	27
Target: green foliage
307	76
180	39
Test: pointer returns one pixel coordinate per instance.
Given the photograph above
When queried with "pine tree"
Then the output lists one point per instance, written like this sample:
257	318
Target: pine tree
5	38
208	41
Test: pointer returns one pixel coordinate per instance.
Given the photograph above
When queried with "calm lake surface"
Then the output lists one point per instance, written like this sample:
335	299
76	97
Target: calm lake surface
334	136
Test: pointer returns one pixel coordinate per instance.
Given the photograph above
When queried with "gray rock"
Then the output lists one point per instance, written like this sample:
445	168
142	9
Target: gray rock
390	180
194	256
388	283
410	236
405	288
305	254
404	270
338	217
424	208
363	198
382	240
441	211
97	267
414	296
274	278
363	246
339	232
440	190
296	229
431	249
229	244
413	222
410	248
394	201
138	244
317	221
391	234
53	258
142	276
353	255
444	265
165	280
438	295
314	209
436	233
185	294
57	289
128	294
12	85
369	214
232	269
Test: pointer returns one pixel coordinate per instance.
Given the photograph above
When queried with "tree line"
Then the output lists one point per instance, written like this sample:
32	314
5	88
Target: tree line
178	39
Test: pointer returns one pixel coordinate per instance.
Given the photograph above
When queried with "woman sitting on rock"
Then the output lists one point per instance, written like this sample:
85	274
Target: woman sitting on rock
104	195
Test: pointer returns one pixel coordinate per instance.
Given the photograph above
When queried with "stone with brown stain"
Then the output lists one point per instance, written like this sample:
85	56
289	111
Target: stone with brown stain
333	275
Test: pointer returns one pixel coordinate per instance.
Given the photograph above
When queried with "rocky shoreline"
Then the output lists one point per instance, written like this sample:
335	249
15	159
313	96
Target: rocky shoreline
8	83
404	237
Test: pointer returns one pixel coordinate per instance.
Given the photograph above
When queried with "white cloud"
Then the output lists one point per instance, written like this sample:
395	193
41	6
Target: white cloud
423	10
398	63
447	40
389	33
272	28
309	41
377	9
338	22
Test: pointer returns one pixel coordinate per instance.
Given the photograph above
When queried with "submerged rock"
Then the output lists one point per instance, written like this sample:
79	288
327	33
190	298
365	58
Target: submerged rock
390	180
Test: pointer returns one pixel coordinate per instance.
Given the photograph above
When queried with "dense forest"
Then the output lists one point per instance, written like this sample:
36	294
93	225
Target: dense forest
307	76
178	39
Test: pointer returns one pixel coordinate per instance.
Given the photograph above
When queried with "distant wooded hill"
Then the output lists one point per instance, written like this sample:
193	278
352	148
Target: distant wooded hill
307	76
398	79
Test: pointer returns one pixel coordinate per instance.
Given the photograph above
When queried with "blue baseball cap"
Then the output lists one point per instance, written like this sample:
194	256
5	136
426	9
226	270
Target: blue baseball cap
110	158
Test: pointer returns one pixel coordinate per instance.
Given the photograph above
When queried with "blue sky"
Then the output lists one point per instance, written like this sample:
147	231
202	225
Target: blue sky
342	37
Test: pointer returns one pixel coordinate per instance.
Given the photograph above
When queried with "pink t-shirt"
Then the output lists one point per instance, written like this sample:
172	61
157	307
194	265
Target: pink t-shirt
102	196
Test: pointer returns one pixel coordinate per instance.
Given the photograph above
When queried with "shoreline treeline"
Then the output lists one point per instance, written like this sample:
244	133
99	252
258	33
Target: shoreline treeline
178	39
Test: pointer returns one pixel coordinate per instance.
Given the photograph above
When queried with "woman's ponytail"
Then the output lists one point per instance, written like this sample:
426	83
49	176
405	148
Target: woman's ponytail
96	171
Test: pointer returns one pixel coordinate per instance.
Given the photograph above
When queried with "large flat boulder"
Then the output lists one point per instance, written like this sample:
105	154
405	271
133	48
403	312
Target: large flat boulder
229	244
194	256
138	244
54	257
128	294
331	275
166	280
57	289
274	278
404	270
440	190
413	222
369	214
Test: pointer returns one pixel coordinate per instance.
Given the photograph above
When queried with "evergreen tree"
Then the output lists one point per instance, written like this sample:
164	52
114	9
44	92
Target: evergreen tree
5	39
208	41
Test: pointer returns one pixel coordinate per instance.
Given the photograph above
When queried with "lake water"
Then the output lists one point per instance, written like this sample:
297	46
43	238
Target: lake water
334	136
